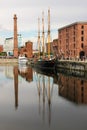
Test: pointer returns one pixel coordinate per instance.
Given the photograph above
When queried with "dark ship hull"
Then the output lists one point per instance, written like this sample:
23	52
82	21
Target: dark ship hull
46	65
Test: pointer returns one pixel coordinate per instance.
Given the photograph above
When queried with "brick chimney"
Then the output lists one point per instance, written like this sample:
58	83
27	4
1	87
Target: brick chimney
15	51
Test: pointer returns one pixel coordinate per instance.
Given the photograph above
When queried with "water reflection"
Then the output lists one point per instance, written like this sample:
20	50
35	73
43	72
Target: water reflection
73	88
44	87
26	72
47	101
69	87
16	85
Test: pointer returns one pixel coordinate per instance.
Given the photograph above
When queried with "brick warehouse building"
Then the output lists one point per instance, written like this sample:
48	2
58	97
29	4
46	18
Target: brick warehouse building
72	41
27	50
55	47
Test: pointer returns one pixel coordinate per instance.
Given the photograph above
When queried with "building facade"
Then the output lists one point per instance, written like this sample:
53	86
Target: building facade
1	48
27	50
55	47
9	46
72	41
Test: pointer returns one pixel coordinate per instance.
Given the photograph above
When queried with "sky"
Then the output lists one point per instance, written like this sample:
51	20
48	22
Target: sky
62	13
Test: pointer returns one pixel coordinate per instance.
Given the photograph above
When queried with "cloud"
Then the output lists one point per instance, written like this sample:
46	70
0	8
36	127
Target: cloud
63	12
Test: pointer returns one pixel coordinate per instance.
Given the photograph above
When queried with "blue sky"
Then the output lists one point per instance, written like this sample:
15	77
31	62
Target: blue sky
63	12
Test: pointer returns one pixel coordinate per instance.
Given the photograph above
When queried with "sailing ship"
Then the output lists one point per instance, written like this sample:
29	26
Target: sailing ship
45	63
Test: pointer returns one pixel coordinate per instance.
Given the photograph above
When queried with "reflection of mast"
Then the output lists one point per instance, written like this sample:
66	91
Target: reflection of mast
43	33
49	33
39	91
16	85
45	90
43	97
39	37
49	100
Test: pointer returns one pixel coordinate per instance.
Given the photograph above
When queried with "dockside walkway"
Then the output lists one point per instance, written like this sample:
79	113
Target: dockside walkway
8	61
60	64
80	65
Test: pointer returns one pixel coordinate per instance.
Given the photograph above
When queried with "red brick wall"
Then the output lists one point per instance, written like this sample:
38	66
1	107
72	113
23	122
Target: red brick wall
70	40
27	49
1	48
55	46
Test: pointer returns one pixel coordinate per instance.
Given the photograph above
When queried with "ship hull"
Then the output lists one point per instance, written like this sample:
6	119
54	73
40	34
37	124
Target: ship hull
45	64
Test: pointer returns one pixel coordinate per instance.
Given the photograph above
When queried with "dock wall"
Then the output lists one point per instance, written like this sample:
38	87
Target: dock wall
72	65
8	61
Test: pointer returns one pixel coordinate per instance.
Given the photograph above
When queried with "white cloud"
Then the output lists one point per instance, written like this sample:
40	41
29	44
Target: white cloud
62	12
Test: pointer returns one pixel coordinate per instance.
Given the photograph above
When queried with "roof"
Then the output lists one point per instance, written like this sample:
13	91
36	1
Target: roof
9	38
80	22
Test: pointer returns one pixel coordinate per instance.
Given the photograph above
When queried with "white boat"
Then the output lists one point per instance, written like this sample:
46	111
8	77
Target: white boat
22	60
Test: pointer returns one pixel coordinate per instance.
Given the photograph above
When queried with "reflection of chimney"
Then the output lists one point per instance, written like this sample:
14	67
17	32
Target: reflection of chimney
16	85
15	37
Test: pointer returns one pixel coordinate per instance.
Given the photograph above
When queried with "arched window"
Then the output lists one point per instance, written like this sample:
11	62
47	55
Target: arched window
82	54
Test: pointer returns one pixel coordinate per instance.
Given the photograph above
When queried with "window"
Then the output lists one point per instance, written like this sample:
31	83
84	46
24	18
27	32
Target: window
74	33
82	88
82	38
66	30
74	45
82	26
82	32
82	82
74	39
82	45
74	52
74	26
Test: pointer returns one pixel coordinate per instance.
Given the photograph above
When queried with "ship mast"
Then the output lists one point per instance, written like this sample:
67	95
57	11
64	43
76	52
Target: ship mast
49	33
38	37
43	49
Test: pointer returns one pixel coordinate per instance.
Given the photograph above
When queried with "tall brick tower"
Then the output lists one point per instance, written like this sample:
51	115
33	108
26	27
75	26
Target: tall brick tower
15	51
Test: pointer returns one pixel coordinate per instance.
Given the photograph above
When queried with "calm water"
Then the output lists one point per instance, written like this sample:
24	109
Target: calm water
33	101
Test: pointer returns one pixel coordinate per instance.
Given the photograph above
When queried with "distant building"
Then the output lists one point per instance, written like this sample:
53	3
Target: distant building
27	50
55	47
8	46
1	48
72	41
